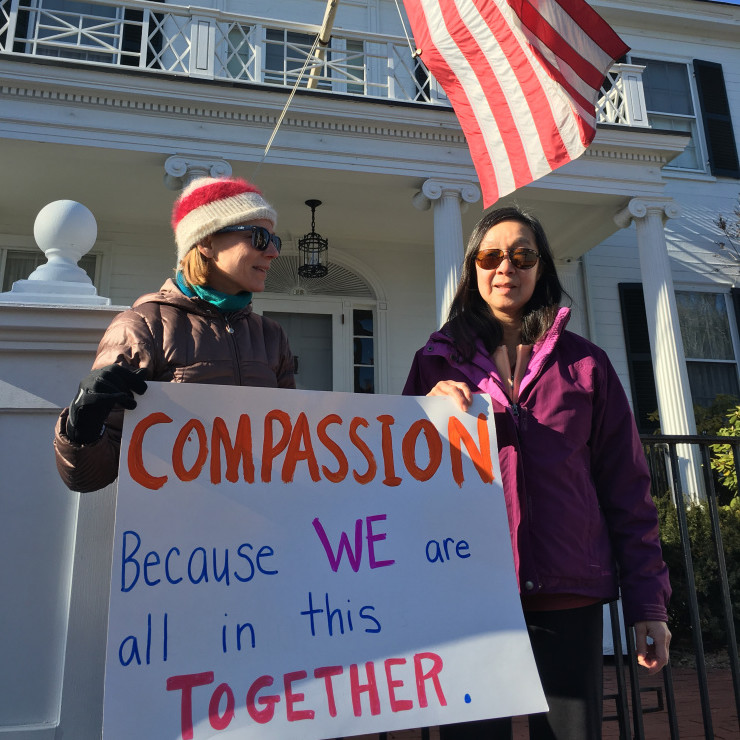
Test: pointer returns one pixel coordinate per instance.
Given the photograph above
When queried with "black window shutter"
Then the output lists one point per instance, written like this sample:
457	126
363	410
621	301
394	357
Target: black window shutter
715	111
639	359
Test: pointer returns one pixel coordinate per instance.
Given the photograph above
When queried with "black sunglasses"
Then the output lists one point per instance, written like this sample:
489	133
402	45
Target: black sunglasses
521	258
261	237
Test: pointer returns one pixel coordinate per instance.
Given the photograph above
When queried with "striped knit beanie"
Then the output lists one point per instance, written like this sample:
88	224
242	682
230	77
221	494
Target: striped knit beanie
208	204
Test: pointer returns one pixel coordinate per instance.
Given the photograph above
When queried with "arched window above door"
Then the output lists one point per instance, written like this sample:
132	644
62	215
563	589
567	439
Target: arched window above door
283	278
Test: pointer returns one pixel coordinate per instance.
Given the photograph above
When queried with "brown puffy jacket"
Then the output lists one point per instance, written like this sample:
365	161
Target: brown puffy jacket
180	340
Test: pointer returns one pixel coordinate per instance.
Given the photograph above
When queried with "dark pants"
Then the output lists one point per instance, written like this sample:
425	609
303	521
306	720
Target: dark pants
567	647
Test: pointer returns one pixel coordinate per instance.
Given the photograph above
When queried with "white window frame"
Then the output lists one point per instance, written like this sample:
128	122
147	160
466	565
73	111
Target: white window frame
724	291
697	129
359	306
36	252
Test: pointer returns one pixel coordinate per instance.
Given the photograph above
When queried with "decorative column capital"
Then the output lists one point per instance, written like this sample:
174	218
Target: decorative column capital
433	189
181	169
639	208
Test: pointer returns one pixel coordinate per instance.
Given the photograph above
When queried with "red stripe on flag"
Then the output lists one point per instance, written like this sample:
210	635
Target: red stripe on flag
553	147
491	88
587	130
597	29
551	38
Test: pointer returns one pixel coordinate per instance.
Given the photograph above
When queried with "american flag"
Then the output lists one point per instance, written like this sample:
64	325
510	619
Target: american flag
523	77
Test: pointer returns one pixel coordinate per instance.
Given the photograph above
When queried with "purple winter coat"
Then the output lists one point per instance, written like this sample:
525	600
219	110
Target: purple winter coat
574	474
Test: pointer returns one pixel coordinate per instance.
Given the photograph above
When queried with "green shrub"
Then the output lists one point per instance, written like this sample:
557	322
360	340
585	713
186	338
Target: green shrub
723	458
706	570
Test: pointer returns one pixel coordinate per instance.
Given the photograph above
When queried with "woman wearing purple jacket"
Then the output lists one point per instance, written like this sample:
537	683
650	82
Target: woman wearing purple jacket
583	525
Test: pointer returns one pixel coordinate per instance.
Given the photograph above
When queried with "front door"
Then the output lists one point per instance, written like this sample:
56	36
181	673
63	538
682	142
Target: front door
310	337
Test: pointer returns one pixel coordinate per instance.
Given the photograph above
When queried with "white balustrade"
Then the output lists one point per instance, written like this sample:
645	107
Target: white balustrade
213	44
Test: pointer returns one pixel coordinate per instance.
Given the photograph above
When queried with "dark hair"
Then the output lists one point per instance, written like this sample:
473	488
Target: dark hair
471	317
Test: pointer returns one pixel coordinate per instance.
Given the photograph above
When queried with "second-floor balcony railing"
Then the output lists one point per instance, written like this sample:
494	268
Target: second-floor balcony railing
204	43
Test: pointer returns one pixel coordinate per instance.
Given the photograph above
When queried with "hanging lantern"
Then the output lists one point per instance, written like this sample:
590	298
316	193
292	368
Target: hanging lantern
313	249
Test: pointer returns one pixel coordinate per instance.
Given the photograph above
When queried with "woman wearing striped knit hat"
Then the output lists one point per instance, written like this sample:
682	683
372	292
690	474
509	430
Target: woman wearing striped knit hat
198	328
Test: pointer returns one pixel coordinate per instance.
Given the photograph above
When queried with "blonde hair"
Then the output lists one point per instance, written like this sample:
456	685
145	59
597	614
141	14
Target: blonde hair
194	267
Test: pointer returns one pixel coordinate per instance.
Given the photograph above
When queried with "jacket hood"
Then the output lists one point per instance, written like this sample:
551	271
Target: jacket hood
171	295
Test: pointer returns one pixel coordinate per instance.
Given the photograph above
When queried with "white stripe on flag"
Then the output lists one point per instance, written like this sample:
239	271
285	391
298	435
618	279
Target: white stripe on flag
554	14
559	101
467	77
504	74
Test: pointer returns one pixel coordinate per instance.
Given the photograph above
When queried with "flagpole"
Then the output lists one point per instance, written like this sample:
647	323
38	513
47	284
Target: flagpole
317	51
324	38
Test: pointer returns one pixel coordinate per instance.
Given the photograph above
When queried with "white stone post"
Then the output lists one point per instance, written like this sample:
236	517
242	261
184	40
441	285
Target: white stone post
65	231
449	248
666	345
54	544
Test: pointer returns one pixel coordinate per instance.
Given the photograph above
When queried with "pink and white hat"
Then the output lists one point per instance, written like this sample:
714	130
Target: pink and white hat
208	204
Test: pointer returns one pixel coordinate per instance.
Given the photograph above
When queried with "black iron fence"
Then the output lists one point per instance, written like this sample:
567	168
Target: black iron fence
667	456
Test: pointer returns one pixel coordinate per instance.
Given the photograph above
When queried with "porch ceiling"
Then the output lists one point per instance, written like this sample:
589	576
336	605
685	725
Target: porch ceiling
103	139
125	191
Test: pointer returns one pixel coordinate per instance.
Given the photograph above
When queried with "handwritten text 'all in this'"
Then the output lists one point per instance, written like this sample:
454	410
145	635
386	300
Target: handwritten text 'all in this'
291	445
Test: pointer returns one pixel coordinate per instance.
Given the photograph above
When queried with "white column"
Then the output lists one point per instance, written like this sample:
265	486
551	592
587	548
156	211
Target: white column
666	346
181	169
449	247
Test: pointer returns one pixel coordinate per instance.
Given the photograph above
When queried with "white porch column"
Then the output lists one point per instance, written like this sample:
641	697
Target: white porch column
666	346
449	248
671	377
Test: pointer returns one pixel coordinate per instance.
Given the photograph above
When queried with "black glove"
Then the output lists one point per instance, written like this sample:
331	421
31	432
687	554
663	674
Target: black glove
98	393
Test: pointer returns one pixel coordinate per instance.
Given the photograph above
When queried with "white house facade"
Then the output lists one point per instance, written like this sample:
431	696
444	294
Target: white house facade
116	104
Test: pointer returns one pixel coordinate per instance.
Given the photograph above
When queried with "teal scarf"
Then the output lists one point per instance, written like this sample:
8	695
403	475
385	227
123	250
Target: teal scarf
222	301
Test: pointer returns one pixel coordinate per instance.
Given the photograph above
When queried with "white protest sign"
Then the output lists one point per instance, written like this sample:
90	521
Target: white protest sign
294	564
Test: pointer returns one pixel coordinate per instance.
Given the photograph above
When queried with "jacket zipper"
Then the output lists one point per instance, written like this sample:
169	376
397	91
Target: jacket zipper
230	331
513	407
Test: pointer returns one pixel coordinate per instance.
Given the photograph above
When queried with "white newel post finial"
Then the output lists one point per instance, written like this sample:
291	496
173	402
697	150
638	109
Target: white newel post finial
64	231
449	247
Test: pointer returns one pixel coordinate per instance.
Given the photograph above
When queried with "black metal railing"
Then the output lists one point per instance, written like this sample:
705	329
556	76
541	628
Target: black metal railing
668	456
